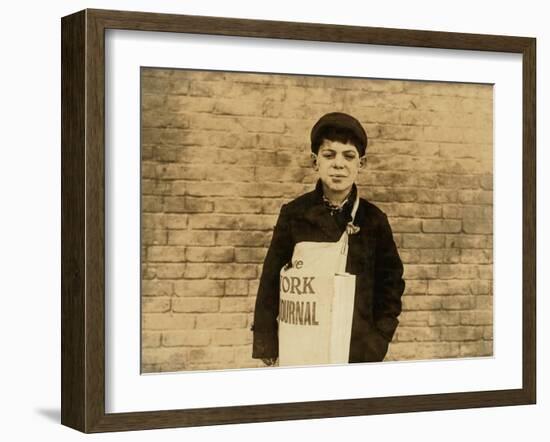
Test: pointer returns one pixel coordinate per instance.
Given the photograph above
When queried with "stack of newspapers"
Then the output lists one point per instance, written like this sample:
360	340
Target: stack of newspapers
315	317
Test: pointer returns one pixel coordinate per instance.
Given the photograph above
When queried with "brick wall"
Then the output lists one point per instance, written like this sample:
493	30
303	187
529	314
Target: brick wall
222	151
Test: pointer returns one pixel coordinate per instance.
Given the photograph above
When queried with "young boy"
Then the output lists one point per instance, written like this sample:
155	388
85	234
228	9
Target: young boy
338	145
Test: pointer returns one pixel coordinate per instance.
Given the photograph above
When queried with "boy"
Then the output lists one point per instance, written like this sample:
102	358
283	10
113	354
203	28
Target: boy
338	144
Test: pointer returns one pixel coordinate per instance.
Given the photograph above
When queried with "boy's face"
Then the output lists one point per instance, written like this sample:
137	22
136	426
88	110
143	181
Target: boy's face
338	165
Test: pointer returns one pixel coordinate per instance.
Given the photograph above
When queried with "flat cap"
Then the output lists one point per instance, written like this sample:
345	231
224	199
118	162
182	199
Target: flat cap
339	121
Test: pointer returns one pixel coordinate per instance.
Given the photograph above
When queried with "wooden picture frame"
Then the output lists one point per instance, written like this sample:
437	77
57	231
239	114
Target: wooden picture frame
83	220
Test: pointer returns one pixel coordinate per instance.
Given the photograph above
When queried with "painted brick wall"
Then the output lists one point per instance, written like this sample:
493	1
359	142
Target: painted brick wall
222	151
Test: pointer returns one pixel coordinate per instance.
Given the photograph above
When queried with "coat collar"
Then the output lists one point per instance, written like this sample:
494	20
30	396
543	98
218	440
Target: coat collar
319	215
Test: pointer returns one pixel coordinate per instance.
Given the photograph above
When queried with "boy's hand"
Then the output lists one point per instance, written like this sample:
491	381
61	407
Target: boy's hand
270	362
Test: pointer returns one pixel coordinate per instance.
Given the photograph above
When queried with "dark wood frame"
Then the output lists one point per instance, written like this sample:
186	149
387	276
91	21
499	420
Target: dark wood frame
83	216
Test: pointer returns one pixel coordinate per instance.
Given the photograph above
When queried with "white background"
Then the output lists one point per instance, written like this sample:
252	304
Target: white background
30	183
126	52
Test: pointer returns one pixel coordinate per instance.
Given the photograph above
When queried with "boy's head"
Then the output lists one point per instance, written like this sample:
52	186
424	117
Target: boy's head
338	144
341	127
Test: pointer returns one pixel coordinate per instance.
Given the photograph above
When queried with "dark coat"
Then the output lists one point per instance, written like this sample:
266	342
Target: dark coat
372	257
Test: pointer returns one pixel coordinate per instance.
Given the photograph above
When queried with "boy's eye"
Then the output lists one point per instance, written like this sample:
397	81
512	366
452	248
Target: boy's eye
349	156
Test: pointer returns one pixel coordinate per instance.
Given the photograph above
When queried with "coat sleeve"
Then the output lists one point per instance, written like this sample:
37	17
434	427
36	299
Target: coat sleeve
389	284
265	337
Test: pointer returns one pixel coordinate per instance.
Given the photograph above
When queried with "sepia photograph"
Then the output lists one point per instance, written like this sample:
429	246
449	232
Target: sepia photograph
301	220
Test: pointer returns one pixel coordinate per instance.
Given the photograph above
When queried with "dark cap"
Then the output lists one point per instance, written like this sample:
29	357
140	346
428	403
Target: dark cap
347	128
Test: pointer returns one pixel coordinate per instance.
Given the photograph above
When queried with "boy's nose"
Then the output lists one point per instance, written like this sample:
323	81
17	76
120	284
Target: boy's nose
338	161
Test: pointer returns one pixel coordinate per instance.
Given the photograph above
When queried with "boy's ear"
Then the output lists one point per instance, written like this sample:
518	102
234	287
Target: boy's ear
363	161
314	162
